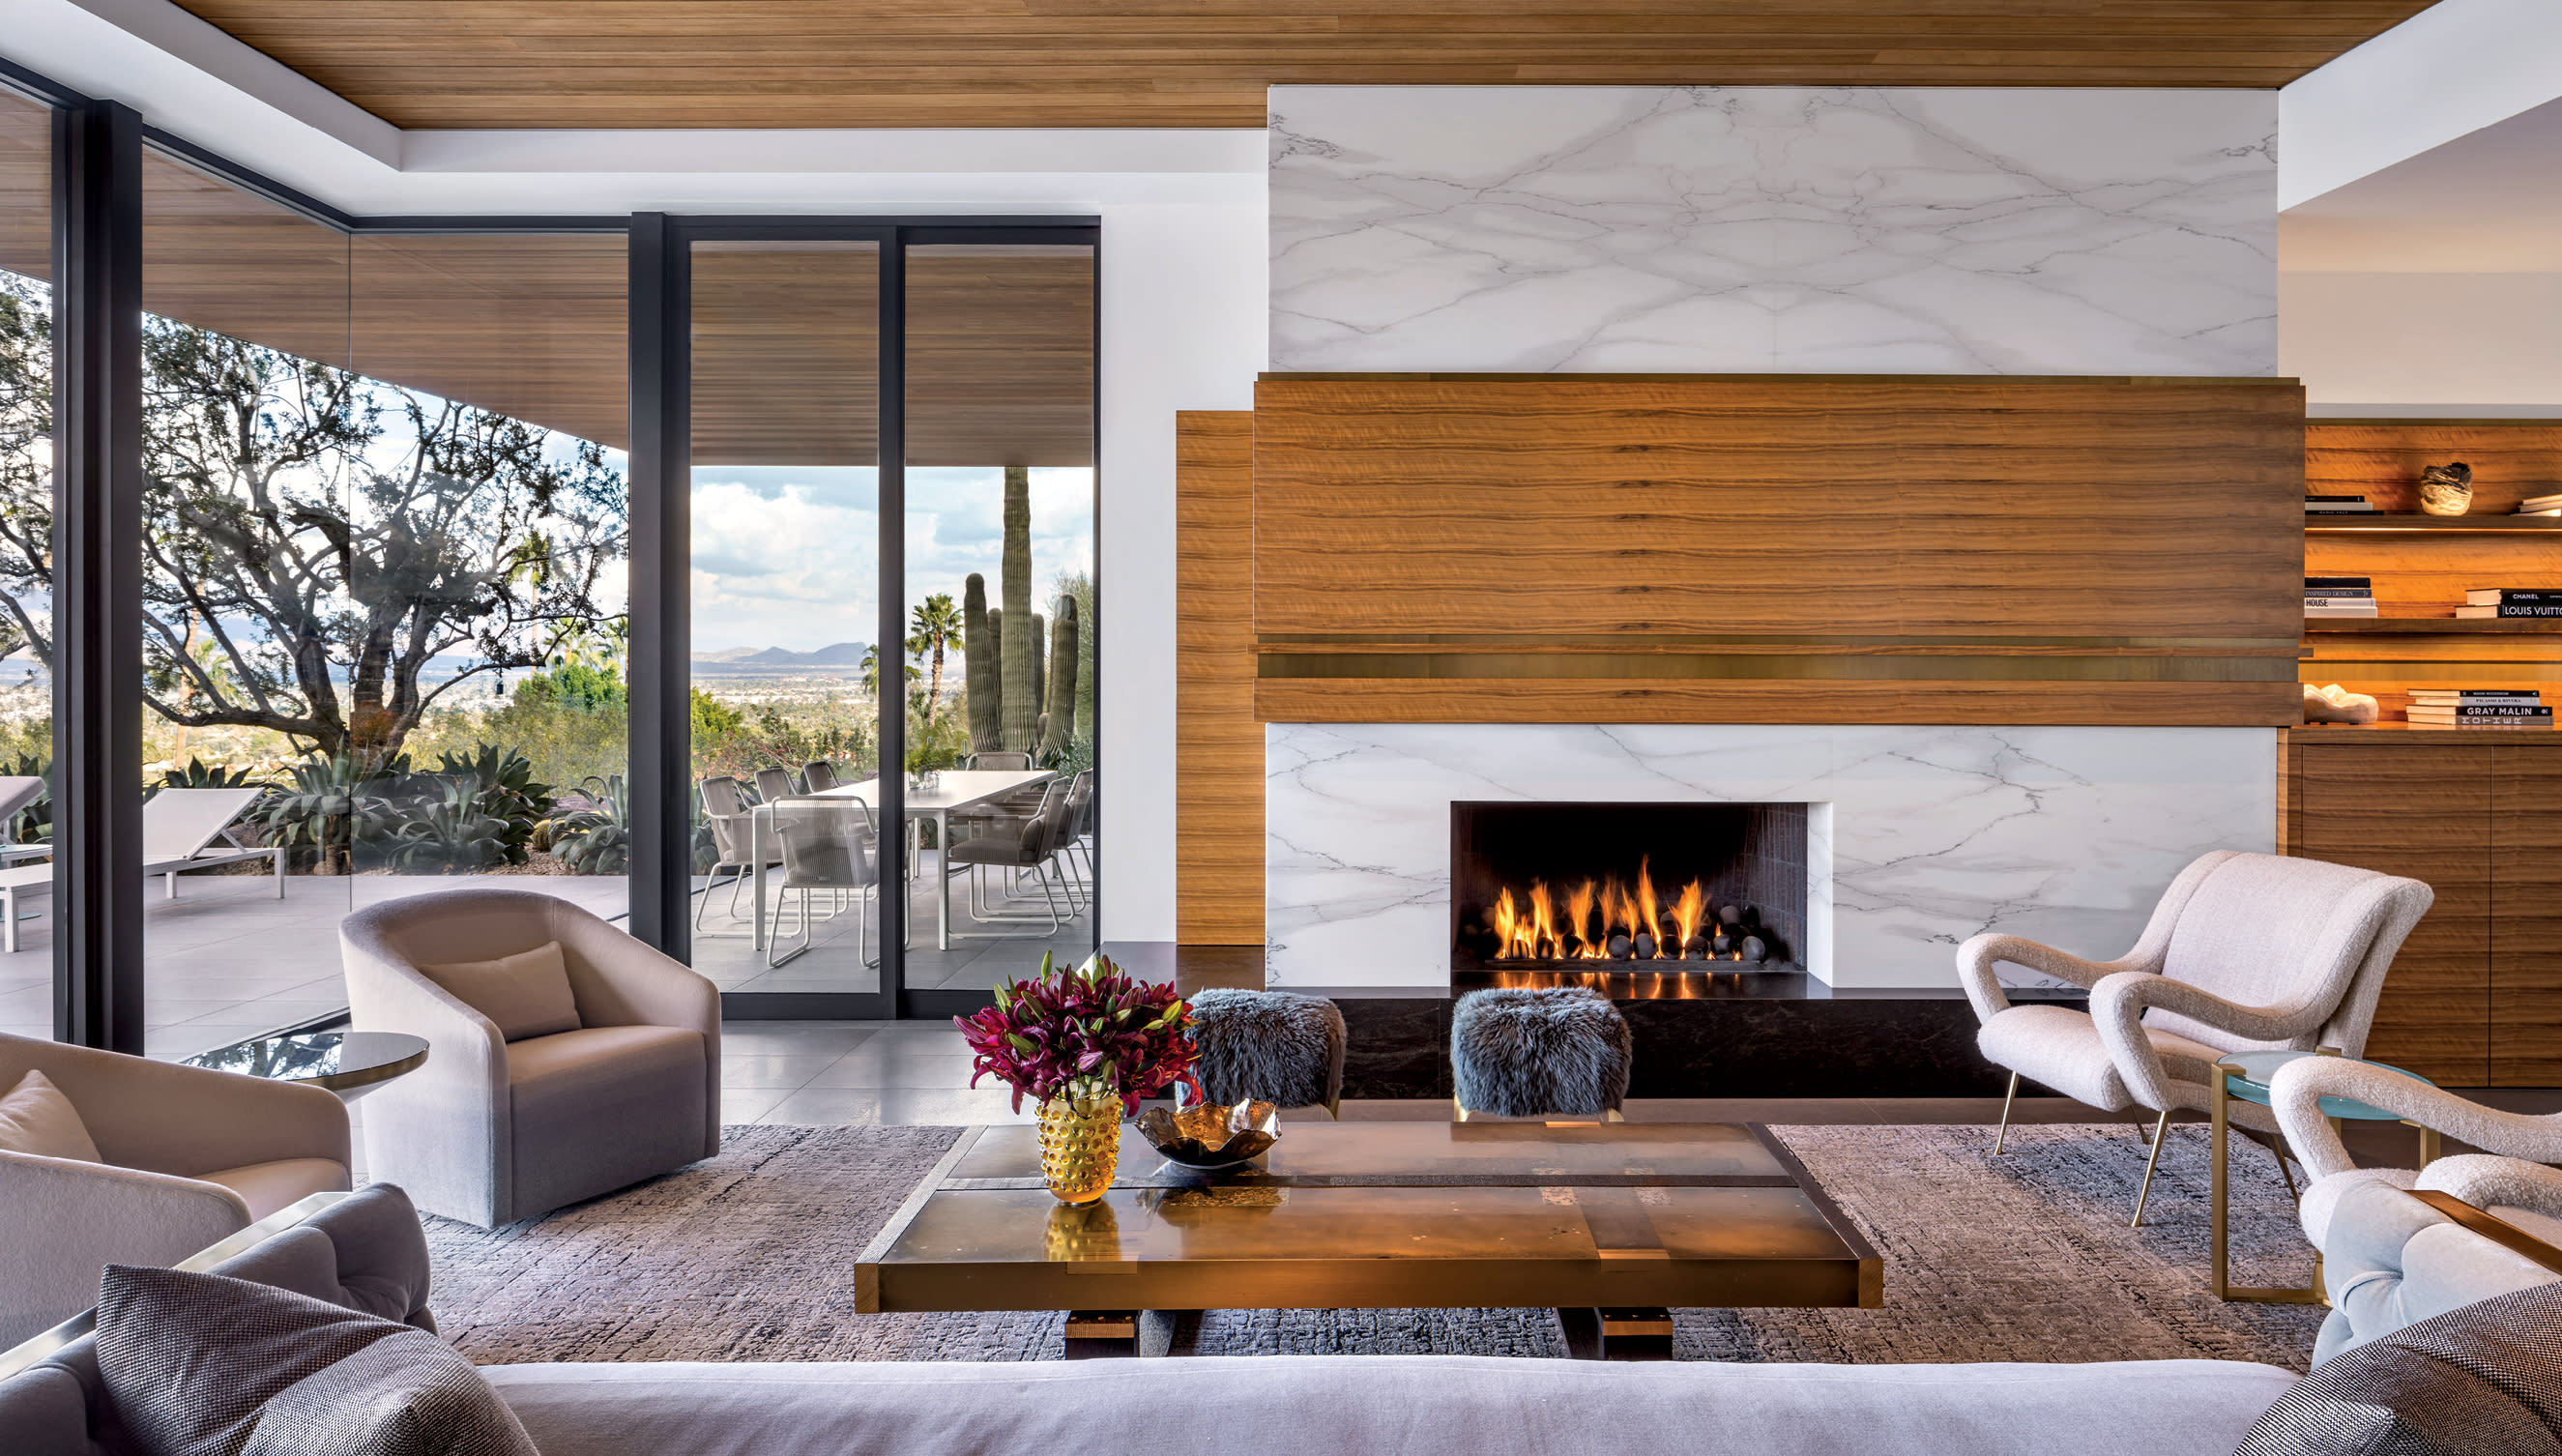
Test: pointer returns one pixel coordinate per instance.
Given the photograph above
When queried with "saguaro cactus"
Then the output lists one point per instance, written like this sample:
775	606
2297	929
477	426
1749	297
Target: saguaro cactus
980	683
1019	707
1041	668
1060	730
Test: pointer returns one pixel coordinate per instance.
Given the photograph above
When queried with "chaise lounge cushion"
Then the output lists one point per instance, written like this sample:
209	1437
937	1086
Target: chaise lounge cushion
37	1118
523	995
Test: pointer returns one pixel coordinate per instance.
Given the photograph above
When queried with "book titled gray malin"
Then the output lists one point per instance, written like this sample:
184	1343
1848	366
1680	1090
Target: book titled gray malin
2492	603
2480	707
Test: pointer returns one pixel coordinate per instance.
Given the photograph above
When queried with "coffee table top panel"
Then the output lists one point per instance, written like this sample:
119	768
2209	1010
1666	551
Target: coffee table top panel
1427	1153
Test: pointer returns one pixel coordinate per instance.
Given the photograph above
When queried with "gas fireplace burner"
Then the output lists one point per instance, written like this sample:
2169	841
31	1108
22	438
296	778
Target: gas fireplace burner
1636	893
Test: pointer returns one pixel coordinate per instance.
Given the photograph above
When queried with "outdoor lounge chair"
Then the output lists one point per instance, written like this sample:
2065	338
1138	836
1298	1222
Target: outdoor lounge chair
182	830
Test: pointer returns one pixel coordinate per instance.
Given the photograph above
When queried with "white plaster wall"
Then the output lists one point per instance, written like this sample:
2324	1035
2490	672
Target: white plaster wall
2399	343
1182	299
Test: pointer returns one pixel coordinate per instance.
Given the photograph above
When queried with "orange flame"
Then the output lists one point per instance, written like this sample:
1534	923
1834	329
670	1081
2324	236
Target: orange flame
1652	924
1579	918
1543	920
1539	923
1689	913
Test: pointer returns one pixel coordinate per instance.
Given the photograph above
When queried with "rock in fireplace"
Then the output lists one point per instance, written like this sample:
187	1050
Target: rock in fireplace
1641	900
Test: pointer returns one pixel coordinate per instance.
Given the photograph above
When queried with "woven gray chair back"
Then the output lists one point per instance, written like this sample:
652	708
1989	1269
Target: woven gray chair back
1080	804
826	843
998	761
774	783
726	810
821	776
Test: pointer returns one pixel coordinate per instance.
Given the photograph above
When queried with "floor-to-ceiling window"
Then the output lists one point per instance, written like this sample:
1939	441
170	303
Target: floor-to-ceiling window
26	544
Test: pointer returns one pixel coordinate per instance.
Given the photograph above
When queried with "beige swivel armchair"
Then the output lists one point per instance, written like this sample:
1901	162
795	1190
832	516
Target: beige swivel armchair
2244	952
192	1156
489	1130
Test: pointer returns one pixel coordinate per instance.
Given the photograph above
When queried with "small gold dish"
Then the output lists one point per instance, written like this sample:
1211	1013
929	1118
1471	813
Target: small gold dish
1212	1138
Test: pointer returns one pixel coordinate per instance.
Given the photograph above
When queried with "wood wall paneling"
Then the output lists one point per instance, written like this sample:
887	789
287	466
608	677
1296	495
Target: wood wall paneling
2412	806
1206	63
2527	914
1219	741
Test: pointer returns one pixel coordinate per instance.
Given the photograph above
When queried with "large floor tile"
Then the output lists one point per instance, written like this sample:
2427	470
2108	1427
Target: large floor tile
783	1073
856	1070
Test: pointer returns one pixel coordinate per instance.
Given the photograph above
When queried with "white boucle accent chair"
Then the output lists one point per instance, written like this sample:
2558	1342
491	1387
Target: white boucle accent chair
191	1157
2243	952
490	1131
2388	1259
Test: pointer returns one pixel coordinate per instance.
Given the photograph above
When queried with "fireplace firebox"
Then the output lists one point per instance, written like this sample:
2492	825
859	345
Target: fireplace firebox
1548	893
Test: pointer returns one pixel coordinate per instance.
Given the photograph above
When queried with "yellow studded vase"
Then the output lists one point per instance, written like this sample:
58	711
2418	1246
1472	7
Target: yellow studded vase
1080	1147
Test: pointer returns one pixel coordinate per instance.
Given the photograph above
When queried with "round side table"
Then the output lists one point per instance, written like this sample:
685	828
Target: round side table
2245	1075
349	1064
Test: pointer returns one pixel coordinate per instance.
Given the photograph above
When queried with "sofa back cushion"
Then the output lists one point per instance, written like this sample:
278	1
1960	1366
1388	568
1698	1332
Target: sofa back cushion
37	1118
526	994
2481	1380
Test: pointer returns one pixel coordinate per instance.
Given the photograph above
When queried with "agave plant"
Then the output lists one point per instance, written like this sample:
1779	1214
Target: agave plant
1088	1033
505	789
597	839
33	824
334	803
200	775
447	832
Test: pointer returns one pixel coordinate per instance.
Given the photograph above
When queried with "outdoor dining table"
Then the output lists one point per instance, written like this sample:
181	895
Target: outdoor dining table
954	788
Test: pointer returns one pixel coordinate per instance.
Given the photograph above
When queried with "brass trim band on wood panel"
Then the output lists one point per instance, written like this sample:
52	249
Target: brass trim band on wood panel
1699	665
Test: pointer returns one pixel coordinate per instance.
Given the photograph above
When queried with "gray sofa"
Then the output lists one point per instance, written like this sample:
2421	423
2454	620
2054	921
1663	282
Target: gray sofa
366	1252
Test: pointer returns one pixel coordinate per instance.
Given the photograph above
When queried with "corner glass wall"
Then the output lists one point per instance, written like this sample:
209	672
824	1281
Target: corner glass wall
26	551
384	527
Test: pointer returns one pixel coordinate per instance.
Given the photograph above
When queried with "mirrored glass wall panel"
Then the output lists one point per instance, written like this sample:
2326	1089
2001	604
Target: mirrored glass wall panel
1001	609
383	609
25	556
790	849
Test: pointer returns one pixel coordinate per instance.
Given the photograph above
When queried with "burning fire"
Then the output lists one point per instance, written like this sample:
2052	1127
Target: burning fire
1607	920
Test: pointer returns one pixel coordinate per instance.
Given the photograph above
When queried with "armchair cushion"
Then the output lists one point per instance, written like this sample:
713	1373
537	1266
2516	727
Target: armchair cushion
2481	1380
203	1363
267	1187
2060	1048
523	995
37	1118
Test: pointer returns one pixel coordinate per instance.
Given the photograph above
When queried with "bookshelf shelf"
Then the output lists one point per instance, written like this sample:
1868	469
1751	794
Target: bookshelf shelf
2431	625
2382	523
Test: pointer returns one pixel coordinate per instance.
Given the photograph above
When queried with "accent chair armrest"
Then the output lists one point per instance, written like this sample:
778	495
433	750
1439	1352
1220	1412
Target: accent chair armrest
2487	1181
2119	1004
1977	957
65	1220
167	1118
458	1103
2297	1089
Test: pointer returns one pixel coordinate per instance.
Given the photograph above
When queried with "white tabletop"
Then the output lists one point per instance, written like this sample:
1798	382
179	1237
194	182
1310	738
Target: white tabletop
958	789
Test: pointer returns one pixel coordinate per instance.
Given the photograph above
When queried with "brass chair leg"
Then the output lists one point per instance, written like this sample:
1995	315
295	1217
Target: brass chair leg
2161	1126
2277	1150
2004	1134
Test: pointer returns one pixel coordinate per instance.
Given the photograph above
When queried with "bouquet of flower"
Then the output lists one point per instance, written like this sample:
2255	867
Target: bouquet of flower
1088	1033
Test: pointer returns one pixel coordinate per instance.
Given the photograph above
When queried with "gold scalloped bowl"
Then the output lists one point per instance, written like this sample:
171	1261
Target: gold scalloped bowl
1212	1138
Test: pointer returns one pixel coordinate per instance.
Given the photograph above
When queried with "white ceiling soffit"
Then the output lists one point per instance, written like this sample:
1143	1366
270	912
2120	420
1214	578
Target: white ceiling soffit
2487	201
193	80
2450	70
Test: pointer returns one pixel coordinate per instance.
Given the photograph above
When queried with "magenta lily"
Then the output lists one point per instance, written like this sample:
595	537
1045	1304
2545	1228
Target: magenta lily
1087	1032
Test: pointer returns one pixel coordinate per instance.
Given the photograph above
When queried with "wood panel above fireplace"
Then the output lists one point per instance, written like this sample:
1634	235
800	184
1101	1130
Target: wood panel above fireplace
1721	548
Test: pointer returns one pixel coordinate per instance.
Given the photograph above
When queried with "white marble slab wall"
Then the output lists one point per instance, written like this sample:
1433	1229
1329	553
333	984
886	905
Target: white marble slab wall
1932	833
1774	229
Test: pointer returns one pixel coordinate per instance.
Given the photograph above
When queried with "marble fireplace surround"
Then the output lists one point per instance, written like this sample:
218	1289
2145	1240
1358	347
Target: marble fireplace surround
1917	836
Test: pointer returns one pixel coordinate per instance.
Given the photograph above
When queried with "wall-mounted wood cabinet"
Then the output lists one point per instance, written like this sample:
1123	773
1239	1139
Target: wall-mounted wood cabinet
2475	997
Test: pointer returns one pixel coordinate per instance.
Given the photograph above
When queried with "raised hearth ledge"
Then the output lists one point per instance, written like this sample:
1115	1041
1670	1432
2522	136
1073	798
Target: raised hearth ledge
2064	834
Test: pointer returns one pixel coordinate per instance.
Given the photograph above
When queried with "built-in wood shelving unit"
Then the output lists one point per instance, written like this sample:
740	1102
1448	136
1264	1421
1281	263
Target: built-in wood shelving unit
2429	626
2381	521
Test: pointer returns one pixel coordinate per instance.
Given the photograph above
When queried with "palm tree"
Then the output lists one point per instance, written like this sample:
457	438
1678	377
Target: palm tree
935	626
870	671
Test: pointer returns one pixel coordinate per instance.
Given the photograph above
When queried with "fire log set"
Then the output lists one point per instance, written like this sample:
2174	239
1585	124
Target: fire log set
1611	920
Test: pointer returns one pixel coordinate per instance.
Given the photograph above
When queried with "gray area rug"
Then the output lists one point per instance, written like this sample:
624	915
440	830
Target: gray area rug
750	1257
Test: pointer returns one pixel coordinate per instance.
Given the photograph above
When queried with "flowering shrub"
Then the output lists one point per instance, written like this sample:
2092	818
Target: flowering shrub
1088	1033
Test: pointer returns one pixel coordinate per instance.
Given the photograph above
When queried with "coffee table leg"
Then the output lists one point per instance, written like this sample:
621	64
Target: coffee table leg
1102	1334
1617	1334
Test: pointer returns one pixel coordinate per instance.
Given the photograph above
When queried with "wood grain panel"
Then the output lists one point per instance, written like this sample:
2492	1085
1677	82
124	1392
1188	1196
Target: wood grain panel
1743	700
2413	804
2526	913
1206	63
1219	741
2039	535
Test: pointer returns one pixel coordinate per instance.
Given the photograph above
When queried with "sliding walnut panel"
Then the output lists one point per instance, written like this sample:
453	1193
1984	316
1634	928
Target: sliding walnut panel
1218	745
1707	548
2526	912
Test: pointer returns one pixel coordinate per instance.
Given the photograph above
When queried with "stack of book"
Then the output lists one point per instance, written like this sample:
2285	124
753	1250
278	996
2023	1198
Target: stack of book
2479	707
2496	602
2539	506
2331	596
2340	505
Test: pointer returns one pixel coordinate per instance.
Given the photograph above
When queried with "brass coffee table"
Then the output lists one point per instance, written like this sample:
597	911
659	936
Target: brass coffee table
1608	1223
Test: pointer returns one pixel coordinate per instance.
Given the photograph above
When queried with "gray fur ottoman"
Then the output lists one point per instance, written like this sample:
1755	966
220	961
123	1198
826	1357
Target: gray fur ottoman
1269	1045
1563	1050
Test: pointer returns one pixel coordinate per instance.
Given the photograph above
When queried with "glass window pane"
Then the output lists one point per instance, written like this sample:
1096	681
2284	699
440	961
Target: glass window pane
26	549
1001	605
786	606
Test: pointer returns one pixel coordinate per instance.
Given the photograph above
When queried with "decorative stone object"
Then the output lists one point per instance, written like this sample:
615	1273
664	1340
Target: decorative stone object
2336	704
2447	490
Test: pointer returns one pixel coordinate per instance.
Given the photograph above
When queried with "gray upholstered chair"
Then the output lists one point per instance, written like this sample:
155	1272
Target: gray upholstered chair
492	1130
829	846
1027	845
2390	1259
726	809
191	1157
820	774
2244	952
1269	1046
1555	1051
775	783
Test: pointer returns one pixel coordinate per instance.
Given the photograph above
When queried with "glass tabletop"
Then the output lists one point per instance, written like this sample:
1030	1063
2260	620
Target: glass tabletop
327	1058
2251	1084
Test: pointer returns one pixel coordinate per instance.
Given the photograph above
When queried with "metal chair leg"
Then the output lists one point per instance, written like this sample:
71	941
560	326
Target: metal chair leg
2161	1126
2007	1098
2277	1150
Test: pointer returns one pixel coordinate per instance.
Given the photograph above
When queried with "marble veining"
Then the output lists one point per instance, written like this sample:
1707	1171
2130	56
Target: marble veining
1779	229
1917	837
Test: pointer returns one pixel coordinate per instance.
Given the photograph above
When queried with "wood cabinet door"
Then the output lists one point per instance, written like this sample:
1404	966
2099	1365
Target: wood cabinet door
2420	811
2525	915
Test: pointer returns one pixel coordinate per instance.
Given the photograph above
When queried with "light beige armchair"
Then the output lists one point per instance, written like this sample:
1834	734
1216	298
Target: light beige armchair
2244	952
191	1157
489	1130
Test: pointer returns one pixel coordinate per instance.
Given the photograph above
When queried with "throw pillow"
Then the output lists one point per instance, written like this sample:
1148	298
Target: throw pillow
2481	1380
37	1118
526	994
199	1365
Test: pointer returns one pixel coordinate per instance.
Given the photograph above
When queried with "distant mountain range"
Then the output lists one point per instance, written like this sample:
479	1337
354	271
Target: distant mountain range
848	656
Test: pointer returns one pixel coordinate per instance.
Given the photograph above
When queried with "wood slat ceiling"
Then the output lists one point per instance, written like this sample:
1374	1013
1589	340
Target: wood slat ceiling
1205	63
